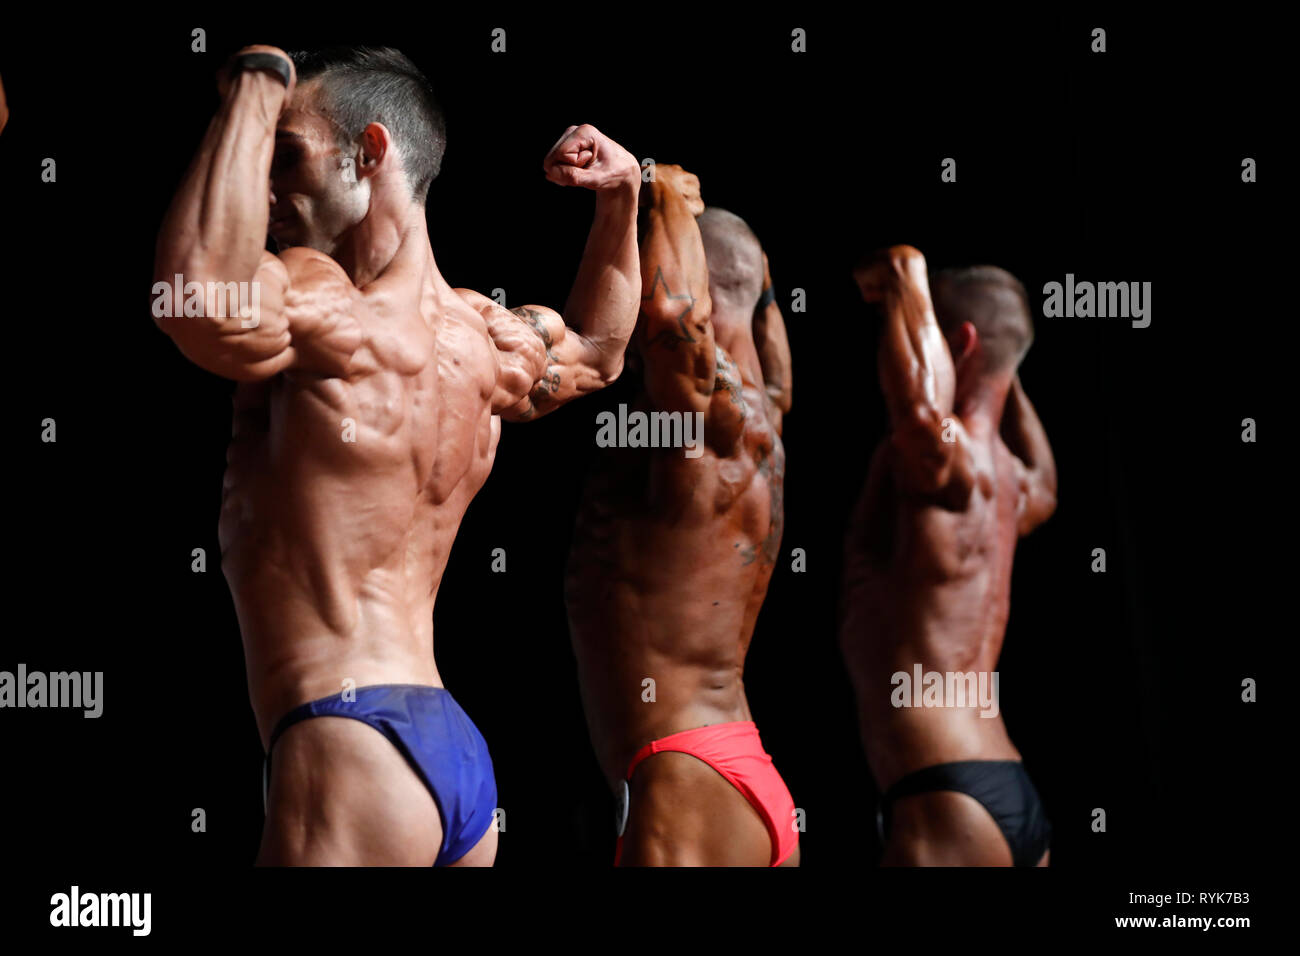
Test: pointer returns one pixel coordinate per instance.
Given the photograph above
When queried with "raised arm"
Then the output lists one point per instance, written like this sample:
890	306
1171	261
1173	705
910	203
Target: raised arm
918	378
230	306
584	348
773	349
675	335
685	370
1024	435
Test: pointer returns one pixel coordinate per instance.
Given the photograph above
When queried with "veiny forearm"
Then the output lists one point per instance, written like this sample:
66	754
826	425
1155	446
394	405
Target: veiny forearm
602	305
215	229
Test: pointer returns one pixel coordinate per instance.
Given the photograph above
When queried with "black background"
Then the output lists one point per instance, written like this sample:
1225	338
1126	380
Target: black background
1122	689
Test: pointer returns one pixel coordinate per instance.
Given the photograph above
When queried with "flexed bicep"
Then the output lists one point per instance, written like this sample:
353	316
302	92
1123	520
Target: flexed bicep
541	363
574	366
237	330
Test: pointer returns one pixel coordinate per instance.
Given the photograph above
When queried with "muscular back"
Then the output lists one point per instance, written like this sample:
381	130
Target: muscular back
672	554
343	492
930	585
670	562
965	471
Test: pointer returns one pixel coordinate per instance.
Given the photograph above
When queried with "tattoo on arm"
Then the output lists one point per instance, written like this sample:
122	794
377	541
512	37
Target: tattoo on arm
669	338
771	465
728	379
550	381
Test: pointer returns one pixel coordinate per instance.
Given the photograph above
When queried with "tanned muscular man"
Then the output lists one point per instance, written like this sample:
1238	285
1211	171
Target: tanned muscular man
366	416
965	472
674	548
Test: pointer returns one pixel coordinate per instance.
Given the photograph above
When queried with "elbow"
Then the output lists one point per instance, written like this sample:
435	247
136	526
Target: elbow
605	357
1047	487
610	369
1042	504
1049	503
173	274
921	417
783	399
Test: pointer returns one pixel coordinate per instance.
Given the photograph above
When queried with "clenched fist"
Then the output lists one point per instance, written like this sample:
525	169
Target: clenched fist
586	157
887	269
675	179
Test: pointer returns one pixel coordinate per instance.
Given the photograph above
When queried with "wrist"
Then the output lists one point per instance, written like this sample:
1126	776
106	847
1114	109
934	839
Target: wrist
627	188
255	87
621	195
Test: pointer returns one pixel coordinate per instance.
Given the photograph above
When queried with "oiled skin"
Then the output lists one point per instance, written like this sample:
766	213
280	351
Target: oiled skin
928	559
672	555
366	417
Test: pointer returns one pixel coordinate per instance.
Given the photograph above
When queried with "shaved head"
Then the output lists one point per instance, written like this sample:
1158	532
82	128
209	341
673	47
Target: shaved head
735	258
992	300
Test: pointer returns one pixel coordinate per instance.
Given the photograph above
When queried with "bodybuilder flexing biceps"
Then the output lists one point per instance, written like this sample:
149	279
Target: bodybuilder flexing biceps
674	549
965	472
367	411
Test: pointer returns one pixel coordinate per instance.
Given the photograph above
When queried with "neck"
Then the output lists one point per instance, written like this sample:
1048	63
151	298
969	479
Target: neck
394	229
983	401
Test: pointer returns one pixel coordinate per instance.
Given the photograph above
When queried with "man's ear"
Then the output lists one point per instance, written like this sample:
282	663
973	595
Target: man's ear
376	143
967	340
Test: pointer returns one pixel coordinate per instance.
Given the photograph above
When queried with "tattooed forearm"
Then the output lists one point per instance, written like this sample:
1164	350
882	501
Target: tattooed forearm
669	338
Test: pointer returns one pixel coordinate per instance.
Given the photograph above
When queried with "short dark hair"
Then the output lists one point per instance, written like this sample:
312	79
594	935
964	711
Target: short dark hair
995	302
361	85
734	255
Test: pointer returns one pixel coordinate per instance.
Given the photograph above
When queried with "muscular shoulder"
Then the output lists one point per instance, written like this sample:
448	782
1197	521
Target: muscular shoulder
323	308
477	300
303	264
510	329
520	344
319	296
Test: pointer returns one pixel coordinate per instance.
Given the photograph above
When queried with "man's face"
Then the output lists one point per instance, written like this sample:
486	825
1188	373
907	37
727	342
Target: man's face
315	193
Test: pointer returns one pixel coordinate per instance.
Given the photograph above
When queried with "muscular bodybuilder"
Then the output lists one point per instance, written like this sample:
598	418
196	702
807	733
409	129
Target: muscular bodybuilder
367	409
674	548
965	472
